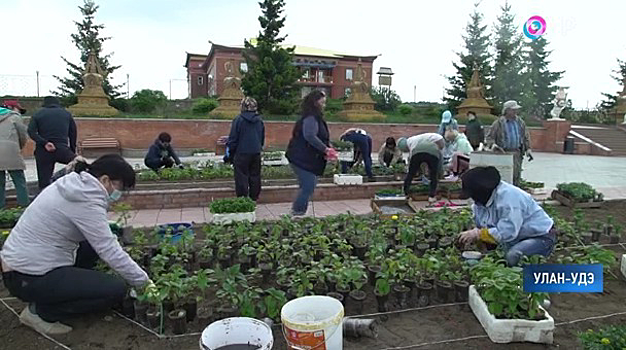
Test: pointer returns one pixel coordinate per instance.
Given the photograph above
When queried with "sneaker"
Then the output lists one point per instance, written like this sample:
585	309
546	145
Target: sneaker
297	213
35	322
431	200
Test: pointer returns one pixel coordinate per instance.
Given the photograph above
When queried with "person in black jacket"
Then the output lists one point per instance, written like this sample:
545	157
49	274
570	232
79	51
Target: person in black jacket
474	131
245	143
161	154
309	149
54	131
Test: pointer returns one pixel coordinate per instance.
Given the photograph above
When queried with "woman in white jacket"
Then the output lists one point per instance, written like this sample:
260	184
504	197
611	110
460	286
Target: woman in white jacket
47	259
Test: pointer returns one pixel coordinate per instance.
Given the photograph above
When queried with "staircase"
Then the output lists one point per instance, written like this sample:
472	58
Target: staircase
608	136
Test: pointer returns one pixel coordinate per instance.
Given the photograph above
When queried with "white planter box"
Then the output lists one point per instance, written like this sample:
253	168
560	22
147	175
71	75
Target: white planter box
538	191
346	156
389	198
346	179
275	162
623	267
231	217
509	331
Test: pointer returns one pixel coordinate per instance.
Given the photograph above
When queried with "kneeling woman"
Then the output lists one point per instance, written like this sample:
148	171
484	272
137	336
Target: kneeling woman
506	215
48	256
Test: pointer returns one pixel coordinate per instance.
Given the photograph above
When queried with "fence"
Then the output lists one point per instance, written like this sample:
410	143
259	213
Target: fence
44	84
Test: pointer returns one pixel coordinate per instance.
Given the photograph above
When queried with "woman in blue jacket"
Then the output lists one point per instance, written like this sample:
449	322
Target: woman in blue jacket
309	149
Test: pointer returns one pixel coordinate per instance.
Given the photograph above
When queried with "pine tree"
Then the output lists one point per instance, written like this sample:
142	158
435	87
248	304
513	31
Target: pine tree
620	75
271	74
538	81
87	39
475	53
507	80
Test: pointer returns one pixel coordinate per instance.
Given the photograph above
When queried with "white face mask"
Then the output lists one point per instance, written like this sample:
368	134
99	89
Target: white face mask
115	196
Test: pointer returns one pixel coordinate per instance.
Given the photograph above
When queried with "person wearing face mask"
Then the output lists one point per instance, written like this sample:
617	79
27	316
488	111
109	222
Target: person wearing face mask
161	154
47	259
507	216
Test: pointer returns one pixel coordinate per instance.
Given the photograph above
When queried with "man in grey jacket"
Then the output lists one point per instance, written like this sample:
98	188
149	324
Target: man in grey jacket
12	139
47	259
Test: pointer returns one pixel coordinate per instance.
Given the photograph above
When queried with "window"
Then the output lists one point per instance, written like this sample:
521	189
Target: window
348	73
243	67
200	80
347	91
320	76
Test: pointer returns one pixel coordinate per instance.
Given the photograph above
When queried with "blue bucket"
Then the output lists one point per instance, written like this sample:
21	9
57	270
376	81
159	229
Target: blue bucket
176	229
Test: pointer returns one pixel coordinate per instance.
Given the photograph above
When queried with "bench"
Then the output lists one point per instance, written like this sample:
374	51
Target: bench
98	143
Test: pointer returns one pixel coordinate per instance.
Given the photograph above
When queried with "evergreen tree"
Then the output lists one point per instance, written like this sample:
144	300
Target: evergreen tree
620	75
538	81
507	80
475	53
86	39
271	74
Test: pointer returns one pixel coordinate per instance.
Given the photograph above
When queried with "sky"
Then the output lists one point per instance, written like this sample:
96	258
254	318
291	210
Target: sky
416	39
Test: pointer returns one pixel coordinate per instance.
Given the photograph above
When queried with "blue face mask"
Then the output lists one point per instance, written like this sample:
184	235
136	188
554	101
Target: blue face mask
115	195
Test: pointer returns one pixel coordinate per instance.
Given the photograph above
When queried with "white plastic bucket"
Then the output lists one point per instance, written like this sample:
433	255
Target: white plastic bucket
313	323
237	330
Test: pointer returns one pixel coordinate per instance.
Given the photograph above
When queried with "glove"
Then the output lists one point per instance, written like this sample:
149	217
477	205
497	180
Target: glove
151	289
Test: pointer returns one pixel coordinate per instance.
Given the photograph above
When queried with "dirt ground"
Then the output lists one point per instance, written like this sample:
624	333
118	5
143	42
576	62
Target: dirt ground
406	330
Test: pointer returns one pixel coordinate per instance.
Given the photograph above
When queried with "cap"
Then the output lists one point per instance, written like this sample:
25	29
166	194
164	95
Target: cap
402	144
14	104
479	183
510	105
446	116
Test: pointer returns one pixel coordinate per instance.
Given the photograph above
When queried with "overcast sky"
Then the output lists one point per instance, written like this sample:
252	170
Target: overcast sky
417	39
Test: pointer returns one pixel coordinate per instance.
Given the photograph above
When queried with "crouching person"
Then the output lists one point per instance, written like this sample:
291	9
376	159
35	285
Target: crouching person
47	259
507	216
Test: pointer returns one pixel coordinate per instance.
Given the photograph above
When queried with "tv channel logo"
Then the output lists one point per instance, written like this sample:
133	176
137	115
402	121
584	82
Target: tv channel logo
535	27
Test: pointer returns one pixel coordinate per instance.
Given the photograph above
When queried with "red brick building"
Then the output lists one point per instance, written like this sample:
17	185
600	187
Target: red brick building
321	69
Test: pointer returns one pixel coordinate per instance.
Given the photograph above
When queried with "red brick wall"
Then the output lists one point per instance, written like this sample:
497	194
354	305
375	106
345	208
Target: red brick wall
193	72
339	76
190	134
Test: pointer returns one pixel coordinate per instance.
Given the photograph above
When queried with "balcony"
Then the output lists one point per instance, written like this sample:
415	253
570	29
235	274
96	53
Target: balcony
316	76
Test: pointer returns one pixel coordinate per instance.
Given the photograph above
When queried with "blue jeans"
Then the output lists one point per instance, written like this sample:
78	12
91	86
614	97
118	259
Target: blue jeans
21	190
307	182
542	245
364	144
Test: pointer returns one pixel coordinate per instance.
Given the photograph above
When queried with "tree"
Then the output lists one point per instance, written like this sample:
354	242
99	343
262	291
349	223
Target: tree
271	74
475	53
507	80
620	75
87	39
147	101
385	99
538	81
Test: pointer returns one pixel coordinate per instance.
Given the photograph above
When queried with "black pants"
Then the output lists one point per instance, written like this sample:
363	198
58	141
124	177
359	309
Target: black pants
161	163
248	175
68	291
433	171
46	161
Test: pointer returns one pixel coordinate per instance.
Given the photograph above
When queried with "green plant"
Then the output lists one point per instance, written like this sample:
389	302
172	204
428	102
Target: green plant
147	101
529	184
274	155
273	302
580	192
606	338
232	205
405	109
342	145
9	217
122	209
389	192
204	105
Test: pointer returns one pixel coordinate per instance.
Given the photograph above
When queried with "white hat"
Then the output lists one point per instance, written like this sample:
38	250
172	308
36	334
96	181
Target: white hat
510	105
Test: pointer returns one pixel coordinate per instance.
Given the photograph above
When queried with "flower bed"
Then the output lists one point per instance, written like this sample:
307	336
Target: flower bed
228	210
9	217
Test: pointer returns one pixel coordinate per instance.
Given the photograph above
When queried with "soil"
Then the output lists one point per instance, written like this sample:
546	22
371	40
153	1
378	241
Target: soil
111	332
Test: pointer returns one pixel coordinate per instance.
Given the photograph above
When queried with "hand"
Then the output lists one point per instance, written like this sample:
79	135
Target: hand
497	148
181	166
50	147
151	290
331	153
530	156
468	237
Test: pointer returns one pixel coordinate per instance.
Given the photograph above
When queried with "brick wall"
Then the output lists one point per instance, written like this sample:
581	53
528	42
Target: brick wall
193	134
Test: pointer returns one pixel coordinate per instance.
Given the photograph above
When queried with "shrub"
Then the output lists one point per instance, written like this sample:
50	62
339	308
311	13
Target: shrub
333	105
385	99
204	105
611	337
147	100
121	104
405	109
232	205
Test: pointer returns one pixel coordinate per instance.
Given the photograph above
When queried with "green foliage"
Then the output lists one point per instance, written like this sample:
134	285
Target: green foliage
273	302
333	105
389	192
271	75
475	54
272	156
580	191
121	104
87	39
342	145
147	100
529	184
538	81
232	205
405	109
606	338
386	99
9	217
204	105
619	75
